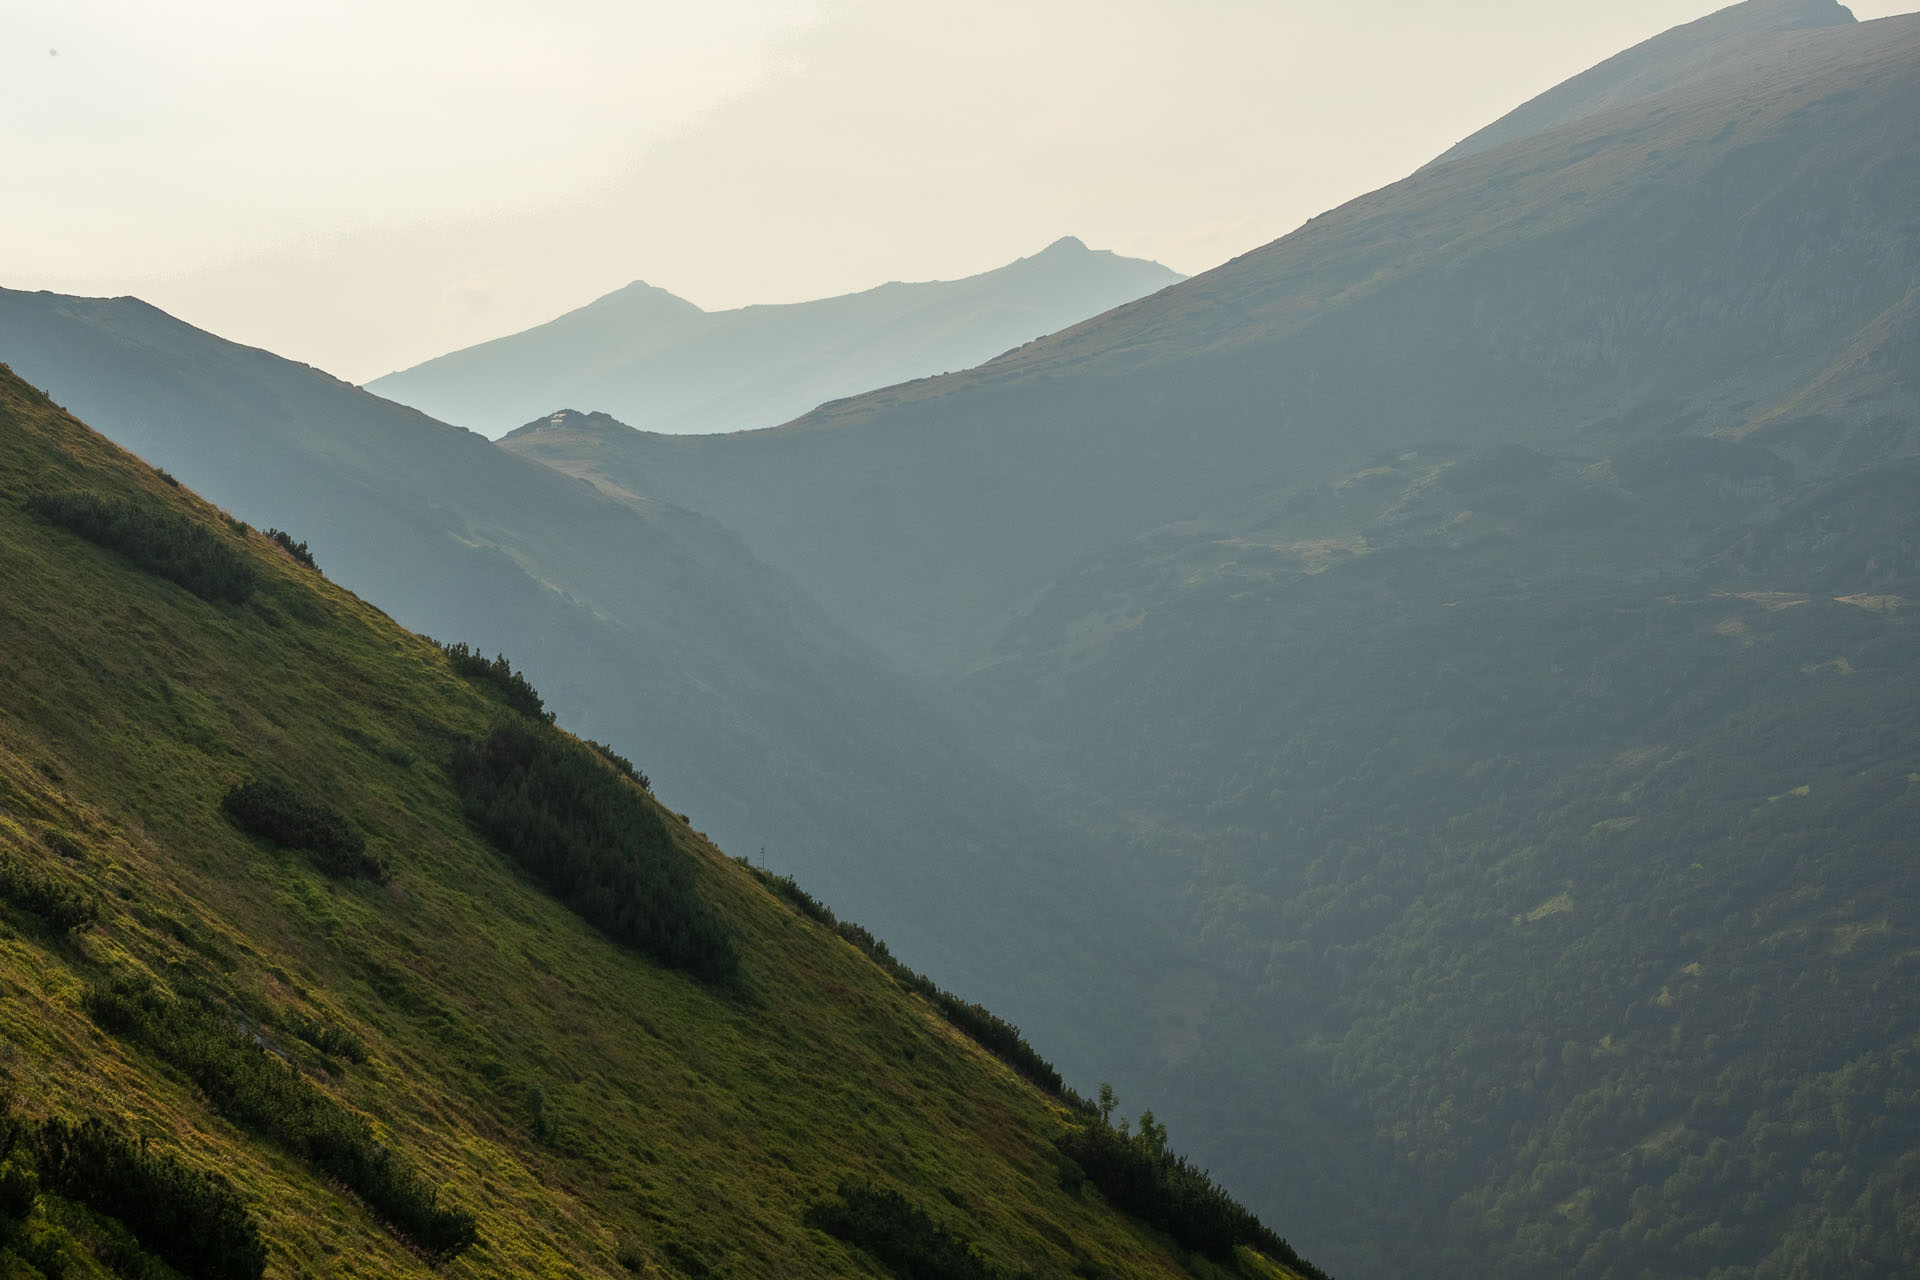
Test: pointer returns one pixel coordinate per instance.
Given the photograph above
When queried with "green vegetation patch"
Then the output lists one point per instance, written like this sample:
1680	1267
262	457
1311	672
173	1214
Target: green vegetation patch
1147	1182
298	550
254	1089
61	906
566	1090
901	1236
985	1028
553	805
276	812
155	538
189	1218
498	672
335	1043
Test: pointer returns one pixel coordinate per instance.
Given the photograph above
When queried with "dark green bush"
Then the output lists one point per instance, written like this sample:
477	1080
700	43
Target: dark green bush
18	1187
993	1033
191	1219
899	1235
553	805
621	765
276	812
62	906
298	550
1145	1181
154	537
520	695
333	1041
1000	1038
257	1091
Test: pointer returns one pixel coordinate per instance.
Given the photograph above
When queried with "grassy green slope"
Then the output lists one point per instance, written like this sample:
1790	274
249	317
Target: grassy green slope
571	1095
645	626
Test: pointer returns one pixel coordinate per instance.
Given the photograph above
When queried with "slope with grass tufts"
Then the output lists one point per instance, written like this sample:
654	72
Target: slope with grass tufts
452	1067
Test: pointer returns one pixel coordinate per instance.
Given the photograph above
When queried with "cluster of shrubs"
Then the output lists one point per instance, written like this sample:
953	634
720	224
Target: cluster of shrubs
900	1236
552	804
156	538
257	1091
60	905
190	1219
298	550
332	1041
1141	1178
497	671
276	812
987	1029
621	765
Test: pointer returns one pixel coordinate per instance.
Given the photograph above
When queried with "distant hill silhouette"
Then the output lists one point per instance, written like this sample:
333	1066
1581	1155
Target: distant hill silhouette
650	358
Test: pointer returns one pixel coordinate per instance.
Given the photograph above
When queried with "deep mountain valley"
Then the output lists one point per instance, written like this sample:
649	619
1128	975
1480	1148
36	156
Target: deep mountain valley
1432	705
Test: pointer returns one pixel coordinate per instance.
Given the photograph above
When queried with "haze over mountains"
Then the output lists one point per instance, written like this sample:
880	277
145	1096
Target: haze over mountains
1534	293
1487	613
644	624
652	359
1480	627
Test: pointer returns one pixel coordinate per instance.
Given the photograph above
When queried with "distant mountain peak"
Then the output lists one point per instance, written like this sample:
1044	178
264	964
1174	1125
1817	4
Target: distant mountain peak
661	363
639	296
571	420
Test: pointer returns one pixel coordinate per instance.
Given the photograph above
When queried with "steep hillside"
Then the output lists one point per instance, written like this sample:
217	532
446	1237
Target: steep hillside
419	1053
1725	245
645	625
1485	617
657	361
1668	61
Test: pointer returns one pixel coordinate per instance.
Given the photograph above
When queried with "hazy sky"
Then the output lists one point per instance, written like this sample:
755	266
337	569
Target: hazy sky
362	185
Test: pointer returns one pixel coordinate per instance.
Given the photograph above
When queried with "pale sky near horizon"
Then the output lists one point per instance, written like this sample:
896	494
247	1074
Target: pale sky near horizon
363	185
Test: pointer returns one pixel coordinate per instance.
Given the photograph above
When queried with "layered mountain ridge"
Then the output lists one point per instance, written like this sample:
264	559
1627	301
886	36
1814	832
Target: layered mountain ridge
1525	292
649	357
1487	617
1463	654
